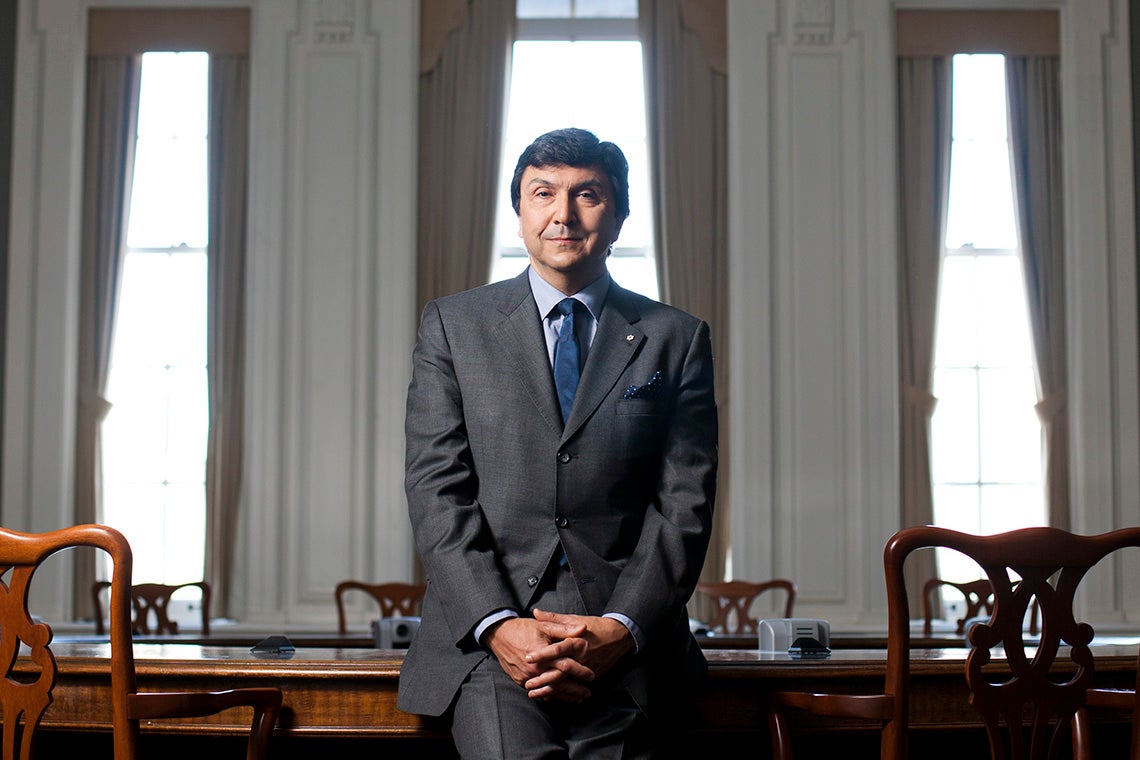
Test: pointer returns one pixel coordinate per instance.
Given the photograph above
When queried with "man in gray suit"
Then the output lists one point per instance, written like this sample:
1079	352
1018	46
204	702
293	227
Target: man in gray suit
561	470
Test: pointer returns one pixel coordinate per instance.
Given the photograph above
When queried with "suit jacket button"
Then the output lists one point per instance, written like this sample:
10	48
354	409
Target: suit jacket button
563	457
532	581
561	522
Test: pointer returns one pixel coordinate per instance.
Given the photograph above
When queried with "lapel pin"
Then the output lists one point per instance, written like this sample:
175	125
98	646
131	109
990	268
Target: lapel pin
629	339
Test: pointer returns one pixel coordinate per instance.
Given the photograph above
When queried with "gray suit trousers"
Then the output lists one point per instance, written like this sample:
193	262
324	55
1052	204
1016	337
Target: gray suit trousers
494	718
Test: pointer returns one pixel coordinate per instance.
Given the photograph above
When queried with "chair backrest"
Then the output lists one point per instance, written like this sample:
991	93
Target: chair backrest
979	596
20	555
1024	711
733	600
404	599
152	601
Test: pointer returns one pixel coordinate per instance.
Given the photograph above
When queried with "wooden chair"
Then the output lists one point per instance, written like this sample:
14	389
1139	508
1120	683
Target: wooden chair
733	604
1023	711
979	597
148	598
20	556
394	599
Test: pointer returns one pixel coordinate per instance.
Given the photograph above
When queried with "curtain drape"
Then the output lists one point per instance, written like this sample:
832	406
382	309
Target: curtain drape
465	63
924	110
464	70
109	150
1033	94
684	49
225	322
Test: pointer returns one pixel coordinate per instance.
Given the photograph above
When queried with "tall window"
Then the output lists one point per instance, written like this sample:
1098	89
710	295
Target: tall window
154	438
986	440
578	64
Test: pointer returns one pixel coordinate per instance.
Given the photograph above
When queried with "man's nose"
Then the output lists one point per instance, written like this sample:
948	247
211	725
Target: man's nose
564	211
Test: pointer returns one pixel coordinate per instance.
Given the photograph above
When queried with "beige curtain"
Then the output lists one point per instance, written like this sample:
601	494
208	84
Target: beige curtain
465	64
924	89
465	54
108	171
1033	92
225	322
684	45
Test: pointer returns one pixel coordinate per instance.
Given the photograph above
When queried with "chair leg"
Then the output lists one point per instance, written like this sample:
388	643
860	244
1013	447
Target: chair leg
781	735
1082	736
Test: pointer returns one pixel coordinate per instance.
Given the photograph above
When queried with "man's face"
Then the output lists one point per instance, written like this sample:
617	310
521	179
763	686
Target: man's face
567	222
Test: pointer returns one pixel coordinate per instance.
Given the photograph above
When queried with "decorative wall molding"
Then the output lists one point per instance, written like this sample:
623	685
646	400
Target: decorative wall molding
814	23
334	22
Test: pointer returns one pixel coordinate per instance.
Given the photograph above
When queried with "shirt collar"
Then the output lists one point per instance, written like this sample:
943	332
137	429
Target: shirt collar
546	296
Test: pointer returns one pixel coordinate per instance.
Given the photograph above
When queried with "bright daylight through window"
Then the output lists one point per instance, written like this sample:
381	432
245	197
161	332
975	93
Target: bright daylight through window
610	60
154	437
986	448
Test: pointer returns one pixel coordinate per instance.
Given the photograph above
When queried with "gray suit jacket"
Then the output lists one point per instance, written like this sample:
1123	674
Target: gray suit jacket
495	485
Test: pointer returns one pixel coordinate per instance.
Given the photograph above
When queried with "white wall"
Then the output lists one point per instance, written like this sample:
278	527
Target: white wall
812	236
814	472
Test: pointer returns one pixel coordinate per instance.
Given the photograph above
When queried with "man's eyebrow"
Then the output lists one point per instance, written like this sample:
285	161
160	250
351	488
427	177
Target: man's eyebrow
596	184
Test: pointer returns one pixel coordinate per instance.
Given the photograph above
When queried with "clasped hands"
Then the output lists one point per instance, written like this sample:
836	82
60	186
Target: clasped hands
556	656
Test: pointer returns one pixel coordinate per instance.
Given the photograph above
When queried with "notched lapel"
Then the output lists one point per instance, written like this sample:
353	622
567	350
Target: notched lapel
520	332
615	344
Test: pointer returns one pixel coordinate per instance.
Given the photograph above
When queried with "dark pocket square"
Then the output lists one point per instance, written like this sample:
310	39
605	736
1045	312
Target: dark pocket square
650	390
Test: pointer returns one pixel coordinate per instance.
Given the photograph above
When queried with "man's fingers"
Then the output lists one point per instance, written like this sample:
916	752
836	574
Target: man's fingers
574	648
561	670
567	691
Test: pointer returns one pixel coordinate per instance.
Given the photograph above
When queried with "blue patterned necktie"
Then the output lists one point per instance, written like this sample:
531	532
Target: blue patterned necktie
566	353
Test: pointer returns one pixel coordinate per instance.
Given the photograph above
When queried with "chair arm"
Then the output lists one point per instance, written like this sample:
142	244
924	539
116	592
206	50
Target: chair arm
197	704
866	706
1122	699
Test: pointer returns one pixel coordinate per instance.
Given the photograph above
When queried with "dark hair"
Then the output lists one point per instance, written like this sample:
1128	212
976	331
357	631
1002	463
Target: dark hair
578	148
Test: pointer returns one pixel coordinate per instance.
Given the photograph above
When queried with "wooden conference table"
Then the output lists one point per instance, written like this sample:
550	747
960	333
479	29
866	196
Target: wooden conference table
351	691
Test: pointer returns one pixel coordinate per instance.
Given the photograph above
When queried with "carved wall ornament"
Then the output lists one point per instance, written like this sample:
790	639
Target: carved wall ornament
814	22
335	22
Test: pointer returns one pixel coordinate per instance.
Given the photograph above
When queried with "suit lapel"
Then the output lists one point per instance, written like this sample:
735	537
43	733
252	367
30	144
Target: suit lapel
615	344
520	332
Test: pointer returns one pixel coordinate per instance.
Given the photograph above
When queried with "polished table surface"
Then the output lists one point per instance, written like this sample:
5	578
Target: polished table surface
351	691
361	639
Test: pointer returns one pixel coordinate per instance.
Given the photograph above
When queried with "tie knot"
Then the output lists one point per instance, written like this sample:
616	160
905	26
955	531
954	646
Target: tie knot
566	306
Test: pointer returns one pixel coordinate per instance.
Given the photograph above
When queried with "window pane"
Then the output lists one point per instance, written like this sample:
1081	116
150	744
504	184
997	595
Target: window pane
957	336
979	97
636	273
543	9
168	198
1003	339
154	437
506	267
1007	507
953	426
980	204
576	9
162	310
172	98
134	432
980	211
1010	431
605	8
